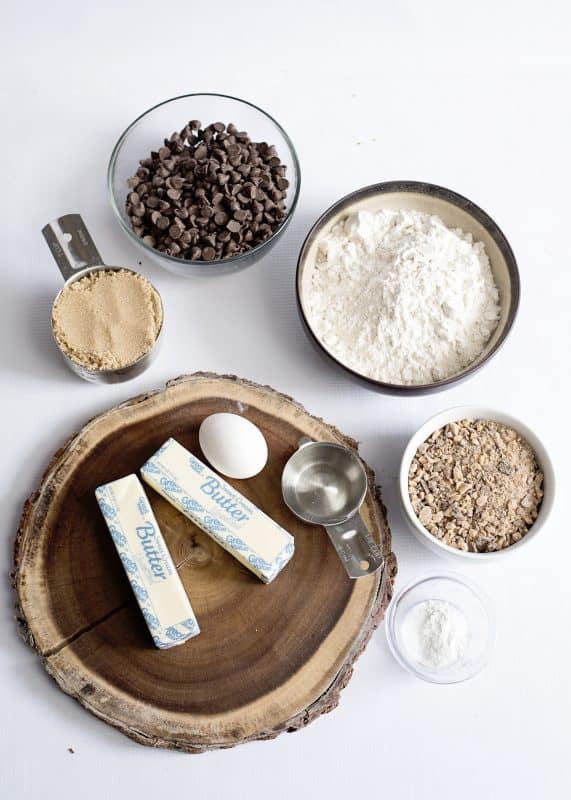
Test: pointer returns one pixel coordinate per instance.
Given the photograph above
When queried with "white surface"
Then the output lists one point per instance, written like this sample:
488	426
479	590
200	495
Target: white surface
474	96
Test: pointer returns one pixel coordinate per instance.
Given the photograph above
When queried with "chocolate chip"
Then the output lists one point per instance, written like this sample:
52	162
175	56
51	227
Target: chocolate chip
201	151
207	193
233	150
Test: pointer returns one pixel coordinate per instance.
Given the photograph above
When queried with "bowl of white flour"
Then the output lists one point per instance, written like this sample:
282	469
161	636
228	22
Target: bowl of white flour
408	286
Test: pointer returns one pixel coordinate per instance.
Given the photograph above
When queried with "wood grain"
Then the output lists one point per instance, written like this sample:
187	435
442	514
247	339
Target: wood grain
269	658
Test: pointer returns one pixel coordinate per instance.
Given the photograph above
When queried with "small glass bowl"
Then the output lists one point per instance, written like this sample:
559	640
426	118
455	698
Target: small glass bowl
464	596
147	132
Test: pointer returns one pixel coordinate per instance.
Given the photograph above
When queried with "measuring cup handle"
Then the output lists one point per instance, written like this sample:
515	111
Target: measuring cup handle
356	547
71	244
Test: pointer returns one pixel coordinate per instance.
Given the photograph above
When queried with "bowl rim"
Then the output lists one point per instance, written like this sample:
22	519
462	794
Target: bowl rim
466	583
219	261
475	411
452	197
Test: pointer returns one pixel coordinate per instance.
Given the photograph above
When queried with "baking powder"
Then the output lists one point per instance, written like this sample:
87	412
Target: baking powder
435	634
399	297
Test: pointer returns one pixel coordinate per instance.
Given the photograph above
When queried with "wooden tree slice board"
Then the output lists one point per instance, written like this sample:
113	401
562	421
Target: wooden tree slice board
268	659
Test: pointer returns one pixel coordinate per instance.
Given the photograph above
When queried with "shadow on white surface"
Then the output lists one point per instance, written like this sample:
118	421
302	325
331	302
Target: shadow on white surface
30	350
284	339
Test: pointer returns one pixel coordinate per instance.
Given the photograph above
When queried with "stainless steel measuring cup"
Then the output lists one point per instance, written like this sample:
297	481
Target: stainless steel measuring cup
76	255
325	484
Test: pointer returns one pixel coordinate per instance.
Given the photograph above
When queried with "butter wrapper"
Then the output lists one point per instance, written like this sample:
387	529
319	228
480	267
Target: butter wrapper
238	526
147	562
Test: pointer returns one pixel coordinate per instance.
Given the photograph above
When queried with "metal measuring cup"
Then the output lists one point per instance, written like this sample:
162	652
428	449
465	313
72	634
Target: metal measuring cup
76	255
325	484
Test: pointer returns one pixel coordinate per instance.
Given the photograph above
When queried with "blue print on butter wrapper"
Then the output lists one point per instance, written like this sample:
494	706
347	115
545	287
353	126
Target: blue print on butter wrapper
151	467
170	485
150	619
140	592
189	624
119	538
128	563
258	562
108	511
214	524
142	506
195	465
174	634
236	543
191	505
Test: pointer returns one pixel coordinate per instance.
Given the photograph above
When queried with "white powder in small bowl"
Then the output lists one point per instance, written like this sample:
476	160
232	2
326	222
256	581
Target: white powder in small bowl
400	298
435	634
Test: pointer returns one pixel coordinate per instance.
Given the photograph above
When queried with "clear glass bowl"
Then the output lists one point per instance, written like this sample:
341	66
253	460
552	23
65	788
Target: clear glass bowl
147	132
464	596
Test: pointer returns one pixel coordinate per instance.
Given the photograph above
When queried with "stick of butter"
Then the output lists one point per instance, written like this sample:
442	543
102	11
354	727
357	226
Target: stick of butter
147	562
223	513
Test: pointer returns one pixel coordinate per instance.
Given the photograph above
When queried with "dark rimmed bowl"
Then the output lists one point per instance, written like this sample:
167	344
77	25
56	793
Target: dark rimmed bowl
147	132
456	212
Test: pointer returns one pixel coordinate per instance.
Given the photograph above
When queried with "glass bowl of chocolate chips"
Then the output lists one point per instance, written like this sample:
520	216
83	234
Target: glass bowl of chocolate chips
204	183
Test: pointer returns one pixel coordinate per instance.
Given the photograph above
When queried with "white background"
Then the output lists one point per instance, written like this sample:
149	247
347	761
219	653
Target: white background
474	96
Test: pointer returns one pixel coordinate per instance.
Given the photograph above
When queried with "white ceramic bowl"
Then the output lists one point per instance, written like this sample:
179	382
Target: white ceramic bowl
475	412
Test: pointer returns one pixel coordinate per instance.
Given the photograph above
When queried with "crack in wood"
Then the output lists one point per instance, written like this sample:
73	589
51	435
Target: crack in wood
53	651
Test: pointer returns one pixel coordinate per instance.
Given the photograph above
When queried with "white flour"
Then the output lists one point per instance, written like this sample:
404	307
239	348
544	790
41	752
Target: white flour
399	297
435	633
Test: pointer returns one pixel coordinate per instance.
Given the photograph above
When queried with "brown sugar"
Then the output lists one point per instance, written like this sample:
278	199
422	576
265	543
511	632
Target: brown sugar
108	319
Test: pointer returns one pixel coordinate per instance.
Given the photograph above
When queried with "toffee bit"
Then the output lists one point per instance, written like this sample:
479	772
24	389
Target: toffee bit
485	485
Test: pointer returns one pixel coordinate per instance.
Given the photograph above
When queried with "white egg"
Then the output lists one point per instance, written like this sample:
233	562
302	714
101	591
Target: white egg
233	445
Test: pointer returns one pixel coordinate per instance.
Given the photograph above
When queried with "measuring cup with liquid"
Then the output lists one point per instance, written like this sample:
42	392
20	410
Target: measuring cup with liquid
325	484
